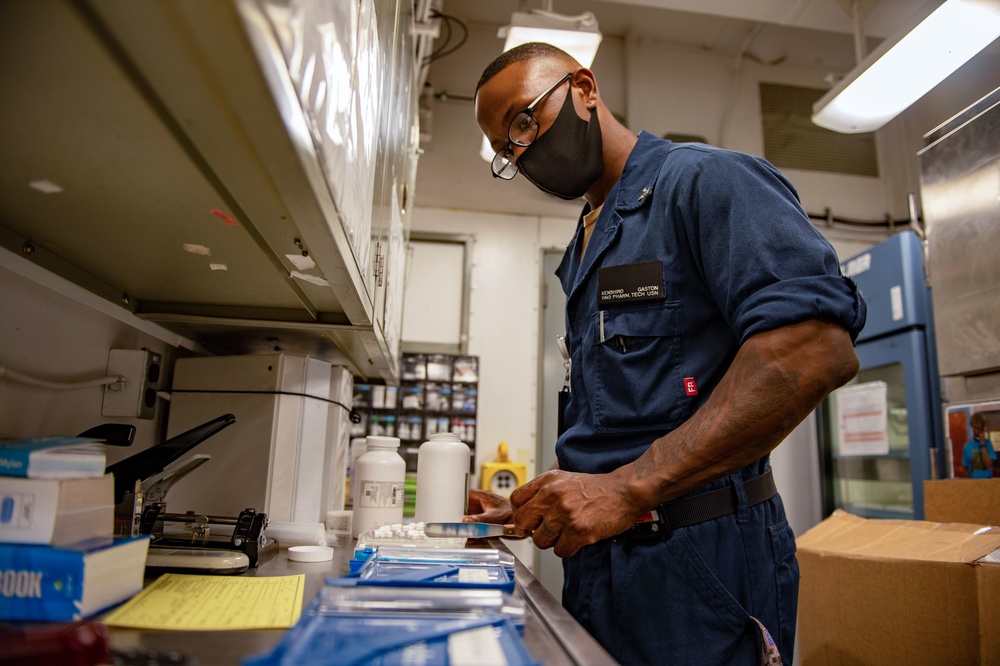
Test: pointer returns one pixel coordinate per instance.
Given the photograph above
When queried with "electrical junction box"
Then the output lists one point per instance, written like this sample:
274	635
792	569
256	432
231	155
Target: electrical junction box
502	476
135	396
286	455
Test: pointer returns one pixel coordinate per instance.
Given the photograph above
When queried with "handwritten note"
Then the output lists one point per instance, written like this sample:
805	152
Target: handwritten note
213	603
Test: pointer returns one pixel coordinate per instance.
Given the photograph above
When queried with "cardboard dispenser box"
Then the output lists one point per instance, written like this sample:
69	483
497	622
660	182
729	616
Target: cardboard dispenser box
286	455
898	592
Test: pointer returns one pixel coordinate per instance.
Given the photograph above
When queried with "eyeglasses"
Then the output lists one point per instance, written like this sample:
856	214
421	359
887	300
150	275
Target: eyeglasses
522	131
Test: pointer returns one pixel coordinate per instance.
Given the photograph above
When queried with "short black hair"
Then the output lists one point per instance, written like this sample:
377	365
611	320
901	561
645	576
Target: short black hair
522	53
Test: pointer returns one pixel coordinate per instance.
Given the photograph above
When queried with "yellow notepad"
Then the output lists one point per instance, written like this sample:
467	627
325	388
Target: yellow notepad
213	603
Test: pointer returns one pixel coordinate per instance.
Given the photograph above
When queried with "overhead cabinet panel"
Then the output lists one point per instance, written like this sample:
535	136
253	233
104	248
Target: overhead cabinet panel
189	180
132	200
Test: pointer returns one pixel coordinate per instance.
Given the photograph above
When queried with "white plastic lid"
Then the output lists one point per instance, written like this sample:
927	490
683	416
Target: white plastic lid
377	442
444	436
310	553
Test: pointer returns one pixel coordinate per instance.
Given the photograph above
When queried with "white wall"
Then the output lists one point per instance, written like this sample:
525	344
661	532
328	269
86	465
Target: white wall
53	330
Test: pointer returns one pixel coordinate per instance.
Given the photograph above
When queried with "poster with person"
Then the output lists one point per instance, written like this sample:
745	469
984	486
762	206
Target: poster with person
972	432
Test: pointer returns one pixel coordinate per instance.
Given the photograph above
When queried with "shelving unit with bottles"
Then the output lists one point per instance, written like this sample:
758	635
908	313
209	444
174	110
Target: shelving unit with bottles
437	393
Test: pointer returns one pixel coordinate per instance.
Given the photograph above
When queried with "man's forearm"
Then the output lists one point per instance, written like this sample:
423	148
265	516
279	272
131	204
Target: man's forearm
776	379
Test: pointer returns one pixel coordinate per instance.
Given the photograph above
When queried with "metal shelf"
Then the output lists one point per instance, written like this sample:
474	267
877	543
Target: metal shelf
192	194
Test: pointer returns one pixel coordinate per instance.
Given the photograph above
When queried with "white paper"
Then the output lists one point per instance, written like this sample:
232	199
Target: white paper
473	575
896	302
313	279
862	418
29	510
476	647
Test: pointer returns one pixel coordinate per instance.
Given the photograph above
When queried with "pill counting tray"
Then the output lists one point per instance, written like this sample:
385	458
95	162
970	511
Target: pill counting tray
459	556
432	574
395	626
403	534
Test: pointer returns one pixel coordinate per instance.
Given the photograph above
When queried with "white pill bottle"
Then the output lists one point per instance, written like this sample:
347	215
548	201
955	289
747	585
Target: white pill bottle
358	447
381	475
442	478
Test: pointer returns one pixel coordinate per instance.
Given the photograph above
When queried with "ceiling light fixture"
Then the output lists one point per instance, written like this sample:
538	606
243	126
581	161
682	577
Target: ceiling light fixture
578	36
45	186
936	41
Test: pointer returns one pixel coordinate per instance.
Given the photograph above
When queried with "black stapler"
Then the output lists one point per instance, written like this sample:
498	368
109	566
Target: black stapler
141	484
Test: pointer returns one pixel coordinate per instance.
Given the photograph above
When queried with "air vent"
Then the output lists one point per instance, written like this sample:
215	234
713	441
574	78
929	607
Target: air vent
791	141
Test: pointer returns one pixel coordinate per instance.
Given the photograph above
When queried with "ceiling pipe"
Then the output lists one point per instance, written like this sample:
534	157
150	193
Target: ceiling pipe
860	47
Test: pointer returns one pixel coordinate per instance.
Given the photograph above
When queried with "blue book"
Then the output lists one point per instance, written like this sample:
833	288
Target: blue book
42	583
52	457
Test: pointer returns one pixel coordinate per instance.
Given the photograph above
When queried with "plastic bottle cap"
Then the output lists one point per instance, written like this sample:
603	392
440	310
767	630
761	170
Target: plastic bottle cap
376	442
310	553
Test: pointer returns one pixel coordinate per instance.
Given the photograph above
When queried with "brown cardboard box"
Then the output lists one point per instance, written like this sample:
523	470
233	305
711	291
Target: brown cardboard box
974	501
898	592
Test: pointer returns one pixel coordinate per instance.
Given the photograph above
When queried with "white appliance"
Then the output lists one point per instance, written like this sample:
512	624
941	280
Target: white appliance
286	455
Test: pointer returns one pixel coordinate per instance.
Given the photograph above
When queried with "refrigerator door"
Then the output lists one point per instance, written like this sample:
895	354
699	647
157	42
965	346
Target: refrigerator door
878	471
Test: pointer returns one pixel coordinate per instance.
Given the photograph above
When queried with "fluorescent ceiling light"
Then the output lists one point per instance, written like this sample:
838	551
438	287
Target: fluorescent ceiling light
930	47
46	186
576	35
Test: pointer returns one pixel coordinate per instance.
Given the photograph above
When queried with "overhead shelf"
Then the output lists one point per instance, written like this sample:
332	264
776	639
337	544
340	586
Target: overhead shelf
191	190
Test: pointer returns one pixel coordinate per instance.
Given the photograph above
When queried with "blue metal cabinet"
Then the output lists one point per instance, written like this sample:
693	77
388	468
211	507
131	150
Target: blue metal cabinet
896	348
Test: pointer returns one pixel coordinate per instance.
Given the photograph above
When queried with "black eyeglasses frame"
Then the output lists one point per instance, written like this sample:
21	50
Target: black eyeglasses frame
504	162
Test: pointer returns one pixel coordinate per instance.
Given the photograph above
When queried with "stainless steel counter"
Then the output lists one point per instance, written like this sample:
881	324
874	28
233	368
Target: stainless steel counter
551	635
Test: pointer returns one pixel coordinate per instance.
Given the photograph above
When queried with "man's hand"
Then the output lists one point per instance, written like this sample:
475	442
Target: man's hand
487	507
568	510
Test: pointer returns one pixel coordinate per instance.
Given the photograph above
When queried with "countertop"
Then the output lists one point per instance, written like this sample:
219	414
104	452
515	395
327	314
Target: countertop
551	635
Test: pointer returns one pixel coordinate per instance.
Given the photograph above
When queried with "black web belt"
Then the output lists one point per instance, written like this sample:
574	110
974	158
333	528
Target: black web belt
700	508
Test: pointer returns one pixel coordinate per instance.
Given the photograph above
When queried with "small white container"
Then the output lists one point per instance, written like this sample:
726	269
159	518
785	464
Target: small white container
442	478
310	554
381	475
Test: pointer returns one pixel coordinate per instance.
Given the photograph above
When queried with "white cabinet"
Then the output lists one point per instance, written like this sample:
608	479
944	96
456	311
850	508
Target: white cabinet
201	186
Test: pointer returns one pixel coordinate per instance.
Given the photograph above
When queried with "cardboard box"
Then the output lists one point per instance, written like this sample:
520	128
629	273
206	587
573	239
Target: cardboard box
974	501
898	592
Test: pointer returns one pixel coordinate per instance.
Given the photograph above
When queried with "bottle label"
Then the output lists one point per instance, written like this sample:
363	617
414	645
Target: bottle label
381	494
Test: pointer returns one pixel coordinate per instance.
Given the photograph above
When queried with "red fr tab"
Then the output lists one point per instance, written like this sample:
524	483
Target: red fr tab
690	387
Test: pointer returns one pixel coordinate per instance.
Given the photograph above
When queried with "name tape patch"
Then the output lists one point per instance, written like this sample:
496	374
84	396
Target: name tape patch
630	282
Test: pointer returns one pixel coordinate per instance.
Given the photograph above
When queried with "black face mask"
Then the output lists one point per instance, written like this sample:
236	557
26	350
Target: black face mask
568	157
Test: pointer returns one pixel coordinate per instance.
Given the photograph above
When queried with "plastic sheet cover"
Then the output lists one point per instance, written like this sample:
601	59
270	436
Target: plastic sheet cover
331	50
394	276
389	626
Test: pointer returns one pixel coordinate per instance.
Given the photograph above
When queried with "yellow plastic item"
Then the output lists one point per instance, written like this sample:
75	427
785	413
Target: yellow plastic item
502	476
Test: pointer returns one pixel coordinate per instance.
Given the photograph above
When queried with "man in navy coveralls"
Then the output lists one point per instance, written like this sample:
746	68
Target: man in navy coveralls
705	318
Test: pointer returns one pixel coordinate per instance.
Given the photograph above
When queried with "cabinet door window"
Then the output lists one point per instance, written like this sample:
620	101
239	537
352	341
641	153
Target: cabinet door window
869	482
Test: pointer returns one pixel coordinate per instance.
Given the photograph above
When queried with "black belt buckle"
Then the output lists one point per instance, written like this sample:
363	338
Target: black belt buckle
652	524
